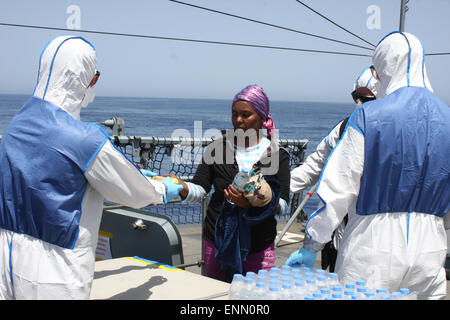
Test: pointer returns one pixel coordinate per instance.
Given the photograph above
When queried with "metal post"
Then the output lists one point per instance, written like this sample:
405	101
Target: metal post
296	213
403	9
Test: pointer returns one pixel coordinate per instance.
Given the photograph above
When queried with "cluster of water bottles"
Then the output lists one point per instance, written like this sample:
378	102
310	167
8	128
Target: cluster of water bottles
303	283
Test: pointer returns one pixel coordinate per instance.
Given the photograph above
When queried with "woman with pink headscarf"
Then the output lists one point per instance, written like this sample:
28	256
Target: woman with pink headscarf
239	237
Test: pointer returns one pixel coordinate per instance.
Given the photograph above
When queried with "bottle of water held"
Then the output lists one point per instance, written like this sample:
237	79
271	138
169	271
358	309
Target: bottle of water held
240	180
236	285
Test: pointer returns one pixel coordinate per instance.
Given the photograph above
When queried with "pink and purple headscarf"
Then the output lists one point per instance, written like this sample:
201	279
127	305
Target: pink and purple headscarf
255	96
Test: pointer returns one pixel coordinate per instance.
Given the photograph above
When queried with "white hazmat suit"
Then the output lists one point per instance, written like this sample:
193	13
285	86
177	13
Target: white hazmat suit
389	172
35	262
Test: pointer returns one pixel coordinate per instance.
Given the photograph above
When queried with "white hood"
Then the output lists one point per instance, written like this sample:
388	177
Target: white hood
366	79
66	67
399	60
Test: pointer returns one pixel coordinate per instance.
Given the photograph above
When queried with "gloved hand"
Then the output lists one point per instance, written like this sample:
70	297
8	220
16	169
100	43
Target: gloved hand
172	189
300	257
148	173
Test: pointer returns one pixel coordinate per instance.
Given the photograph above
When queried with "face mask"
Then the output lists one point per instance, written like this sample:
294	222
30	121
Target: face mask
88	97
358	103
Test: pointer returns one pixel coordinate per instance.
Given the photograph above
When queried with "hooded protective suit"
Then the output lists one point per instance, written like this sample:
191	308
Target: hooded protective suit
308	173
390	172
55	173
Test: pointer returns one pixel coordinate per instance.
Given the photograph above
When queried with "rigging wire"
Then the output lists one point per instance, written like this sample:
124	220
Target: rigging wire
270	24
337	25
184	39
200	41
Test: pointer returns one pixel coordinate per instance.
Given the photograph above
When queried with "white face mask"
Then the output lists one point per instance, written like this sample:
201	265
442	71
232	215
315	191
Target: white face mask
89	96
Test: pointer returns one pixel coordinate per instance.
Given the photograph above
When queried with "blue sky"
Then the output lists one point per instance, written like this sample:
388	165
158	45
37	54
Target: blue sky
160	68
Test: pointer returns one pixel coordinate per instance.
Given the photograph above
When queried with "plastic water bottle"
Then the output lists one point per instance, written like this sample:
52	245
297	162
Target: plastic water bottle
274	293
240	180
348	294
274	270
310	285
263	272
299	290
317	295
325	292
350	286
247	288
259	293
236	285
379	293
396	295
321	282
370	295
333	279
360	283
407	294
297	277
337	296
286	291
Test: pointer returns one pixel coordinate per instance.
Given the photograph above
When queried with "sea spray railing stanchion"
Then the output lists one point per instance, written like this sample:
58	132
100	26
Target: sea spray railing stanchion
296	213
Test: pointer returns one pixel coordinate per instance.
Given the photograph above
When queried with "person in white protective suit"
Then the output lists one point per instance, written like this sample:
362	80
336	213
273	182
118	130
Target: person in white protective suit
55	173
390	172
307	174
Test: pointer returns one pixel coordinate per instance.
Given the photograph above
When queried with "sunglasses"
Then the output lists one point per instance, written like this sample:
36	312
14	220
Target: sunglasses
374	72
95	78
363	94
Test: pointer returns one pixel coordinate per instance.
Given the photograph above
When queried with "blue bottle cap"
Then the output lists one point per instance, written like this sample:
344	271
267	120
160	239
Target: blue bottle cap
250	274
274	269
381	290
286	285
309	298
238	276
273	288
299	284
350	286
317	295
360	282
260	284
263	271
349	292
325	291
248	280
405	291
333	275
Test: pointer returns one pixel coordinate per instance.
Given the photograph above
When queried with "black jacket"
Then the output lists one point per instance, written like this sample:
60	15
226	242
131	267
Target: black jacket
215	171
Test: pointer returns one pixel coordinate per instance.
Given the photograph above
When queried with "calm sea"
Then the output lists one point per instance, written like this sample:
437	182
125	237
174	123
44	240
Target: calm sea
161	116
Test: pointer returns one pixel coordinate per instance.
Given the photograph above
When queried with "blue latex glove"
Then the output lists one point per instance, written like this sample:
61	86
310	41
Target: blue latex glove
302	256
148	173
172	189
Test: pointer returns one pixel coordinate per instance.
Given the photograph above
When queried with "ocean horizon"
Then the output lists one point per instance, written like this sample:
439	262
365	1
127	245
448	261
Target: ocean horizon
160	117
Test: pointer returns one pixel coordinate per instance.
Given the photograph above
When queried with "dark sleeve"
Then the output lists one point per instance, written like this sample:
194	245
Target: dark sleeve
284	174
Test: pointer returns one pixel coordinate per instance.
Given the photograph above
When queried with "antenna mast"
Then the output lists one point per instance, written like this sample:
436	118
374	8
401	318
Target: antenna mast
403	9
